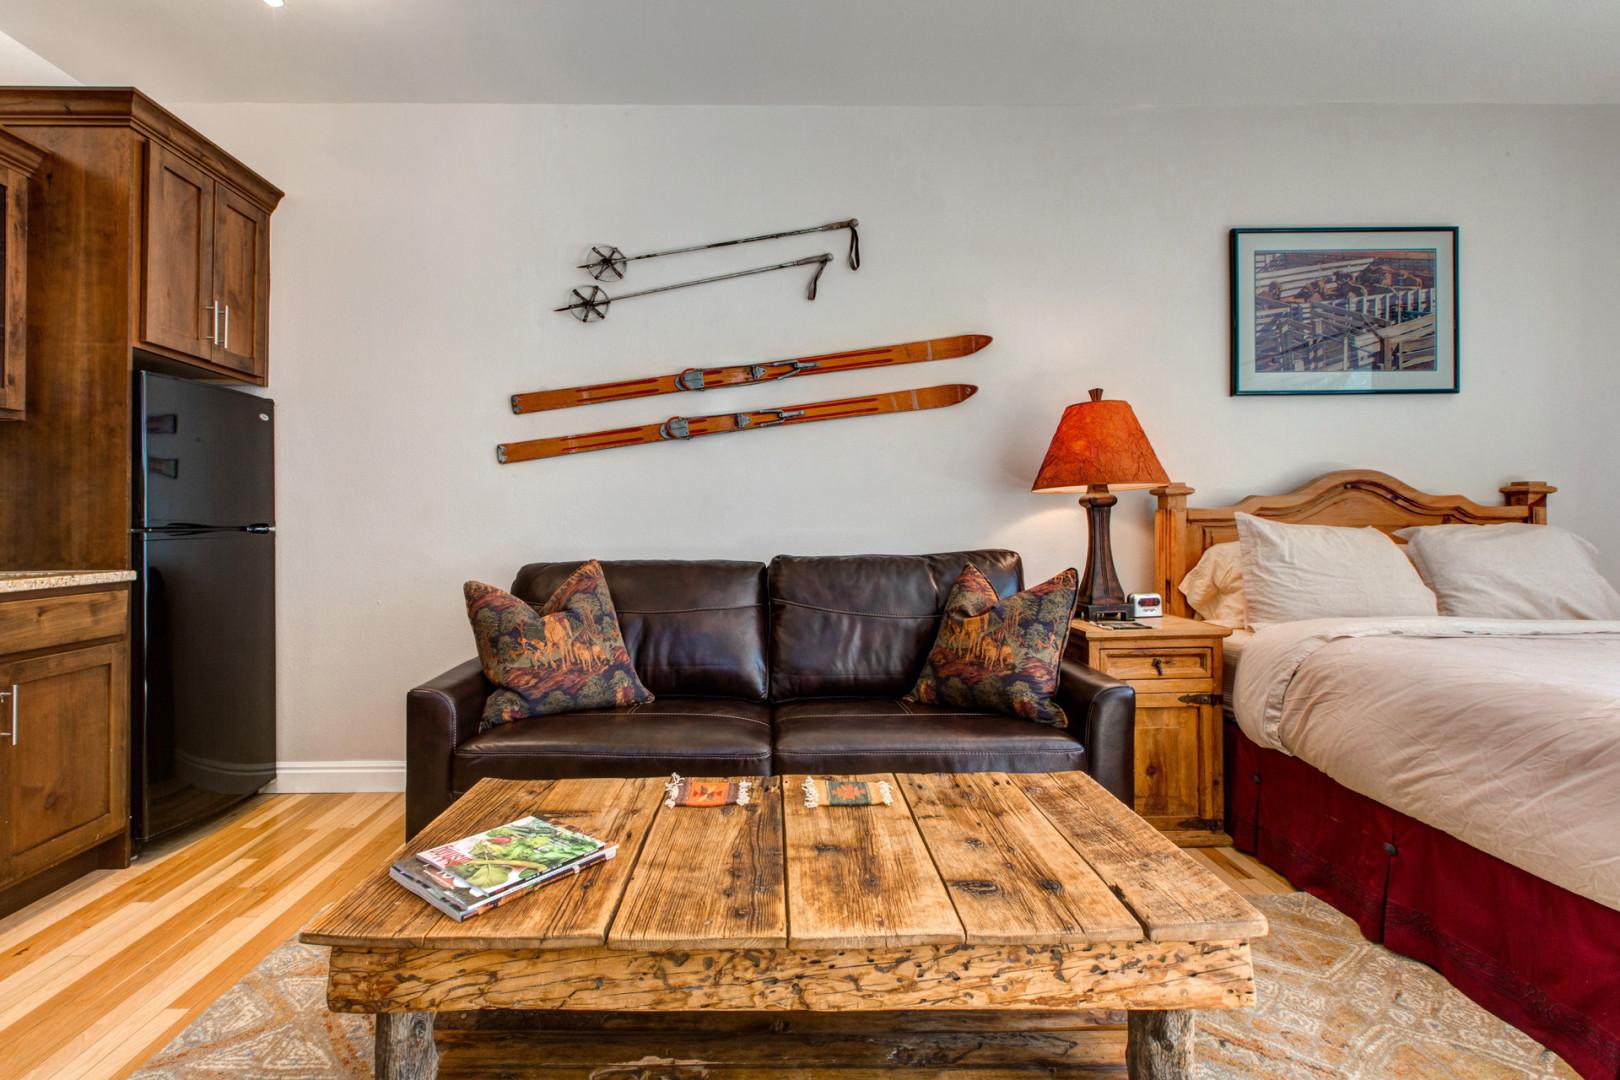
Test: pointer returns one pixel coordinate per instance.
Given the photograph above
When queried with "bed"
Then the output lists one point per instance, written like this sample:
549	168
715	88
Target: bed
1453	785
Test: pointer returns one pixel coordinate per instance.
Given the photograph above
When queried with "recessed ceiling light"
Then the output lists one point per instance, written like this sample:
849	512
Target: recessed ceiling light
275	3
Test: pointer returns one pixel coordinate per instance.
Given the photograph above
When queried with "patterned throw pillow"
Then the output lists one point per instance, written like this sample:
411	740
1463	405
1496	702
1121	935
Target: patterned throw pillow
567	656
1000	655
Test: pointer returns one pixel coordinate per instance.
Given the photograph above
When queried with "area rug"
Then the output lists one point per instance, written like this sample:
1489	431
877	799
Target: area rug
1331	1004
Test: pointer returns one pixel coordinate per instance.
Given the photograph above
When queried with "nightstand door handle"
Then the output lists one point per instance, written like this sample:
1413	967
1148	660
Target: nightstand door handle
1200	699
1158	666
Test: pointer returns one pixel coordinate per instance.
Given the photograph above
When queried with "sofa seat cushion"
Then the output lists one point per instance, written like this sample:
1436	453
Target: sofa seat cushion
691	736
861	735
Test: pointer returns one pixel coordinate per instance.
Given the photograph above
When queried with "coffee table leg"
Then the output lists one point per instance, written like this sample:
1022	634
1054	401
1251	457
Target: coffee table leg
404	1048
1159	1044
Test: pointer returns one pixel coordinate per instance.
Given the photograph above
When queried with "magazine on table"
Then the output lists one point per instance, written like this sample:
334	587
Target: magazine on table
479	872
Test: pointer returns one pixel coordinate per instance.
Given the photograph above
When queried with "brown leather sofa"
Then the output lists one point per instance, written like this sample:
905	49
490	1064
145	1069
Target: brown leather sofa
797	667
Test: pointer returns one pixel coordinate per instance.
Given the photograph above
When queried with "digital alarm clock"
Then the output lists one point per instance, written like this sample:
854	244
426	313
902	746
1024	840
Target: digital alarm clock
1145	605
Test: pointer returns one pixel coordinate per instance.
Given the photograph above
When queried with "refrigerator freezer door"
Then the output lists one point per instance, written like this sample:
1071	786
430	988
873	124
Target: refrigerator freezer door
205	455
205	675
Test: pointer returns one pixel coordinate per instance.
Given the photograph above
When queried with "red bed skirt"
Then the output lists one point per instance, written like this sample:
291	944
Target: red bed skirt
1539	956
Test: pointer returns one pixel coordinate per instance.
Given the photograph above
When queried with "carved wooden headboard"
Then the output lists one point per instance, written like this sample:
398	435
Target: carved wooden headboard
1354	497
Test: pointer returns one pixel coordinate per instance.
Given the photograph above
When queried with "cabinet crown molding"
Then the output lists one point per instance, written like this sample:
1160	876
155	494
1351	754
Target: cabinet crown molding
102	106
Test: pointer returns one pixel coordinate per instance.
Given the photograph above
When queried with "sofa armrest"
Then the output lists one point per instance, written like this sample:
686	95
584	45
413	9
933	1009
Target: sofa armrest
440	715
1102	712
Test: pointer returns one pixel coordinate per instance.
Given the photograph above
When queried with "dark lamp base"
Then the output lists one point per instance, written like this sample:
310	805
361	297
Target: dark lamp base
1103	612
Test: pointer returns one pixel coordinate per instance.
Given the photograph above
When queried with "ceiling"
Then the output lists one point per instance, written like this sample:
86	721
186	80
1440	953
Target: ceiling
834	52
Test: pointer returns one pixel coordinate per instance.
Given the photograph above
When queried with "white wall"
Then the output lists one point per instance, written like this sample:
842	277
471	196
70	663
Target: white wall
420	249
22	66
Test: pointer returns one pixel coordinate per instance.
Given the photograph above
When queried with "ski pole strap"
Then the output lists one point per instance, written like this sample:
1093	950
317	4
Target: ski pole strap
854	245
821	265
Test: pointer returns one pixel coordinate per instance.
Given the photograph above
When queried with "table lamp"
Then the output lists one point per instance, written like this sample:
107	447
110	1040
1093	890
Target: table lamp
1099	449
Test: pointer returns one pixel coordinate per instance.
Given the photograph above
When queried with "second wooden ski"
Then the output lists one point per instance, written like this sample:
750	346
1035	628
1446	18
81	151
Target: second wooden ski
911	352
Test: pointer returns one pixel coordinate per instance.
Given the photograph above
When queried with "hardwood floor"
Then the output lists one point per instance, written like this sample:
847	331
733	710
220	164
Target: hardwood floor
97	977
1248	876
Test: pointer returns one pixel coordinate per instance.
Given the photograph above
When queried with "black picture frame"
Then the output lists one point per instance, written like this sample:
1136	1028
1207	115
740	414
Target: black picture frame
1363	327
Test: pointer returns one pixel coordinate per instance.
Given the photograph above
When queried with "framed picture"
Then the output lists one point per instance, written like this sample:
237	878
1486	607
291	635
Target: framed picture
1344	311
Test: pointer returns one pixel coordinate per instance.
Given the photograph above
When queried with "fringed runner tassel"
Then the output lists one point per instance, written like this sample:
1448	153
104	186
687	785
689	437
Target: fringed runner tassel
846	793
683	792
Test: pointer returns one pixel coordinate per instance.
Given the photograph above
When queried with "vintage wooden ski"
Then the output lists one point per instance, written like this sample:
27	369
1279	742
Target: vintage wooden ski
680	428
912	352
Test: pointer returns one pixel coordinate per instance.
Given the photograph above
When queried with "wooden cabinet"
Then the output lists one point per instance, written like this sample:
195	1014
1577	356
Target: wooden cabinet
149	218
205	278
145	239
64	736
19	161
1175	669
63	770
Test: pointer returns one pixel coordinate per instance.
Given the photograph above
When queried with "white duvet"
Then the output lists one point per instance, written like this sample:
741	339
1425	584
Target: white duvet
1503	733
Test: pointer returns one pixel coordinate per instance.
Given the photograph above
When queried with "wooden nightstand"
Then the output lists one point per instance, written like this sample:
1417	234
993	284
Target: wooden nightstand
1175	668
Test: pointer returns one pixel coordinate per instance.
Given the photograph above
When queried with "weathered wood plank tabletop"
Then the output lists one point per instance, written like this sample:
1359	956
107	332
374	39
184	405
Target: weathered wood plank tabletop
861	877
1006	894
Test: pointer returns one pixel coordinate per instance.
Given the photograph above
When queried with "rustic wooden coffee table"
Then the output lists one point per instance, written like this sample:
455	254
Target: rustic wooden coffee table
984	921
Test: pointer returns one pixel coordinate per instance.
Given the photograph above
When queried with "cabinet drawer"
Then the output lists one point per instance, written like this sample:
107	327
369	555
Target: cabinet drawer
44	622
1151	665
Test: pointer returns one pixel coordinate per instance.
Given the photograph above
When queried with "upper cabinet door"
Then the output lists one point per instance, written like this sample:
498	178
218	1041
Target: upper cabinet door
242	283
178	309
13	293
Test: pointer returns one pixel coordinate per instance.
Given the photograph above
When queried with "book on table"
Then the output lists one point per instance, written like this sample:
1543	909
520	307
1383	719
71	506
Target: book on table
485	870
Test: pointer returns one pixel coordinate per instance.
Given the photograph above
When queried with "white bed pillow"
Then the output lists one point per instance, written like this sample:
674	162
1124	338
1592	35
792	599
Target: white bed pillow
1214	587
1511	572
1295	572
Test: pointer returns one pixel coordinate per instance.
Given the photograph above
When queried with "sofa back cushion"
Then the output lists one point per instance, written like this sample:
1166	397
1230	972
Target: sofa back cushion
861	625
693	628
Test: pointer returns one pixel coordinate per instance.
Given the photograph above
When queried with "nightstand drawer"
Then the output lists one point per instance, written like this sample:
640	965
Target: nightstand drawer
1152	665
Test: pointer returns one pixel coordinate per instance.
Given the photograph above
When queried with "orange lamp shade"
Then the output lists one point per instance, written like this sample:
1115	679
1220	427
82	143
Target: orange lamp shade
1099	443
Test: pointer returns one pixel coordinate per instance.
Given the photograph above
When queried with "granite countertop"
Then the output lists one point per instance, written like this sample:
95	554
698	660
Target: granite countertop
16	581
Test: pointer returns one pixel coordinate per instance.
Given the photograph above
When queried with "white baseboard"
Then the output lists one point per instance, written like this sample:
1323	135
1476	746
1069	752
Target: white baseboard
306	776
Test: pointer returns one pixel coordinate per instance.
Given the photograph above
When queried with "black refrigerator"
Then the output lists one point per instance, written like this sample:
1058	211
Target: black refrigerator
203	662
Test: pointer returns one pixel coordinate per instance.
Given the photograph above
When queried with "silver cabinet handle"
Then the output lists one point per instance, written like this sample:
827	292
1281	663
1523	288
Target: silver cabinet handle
213	332
12	696
227	341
